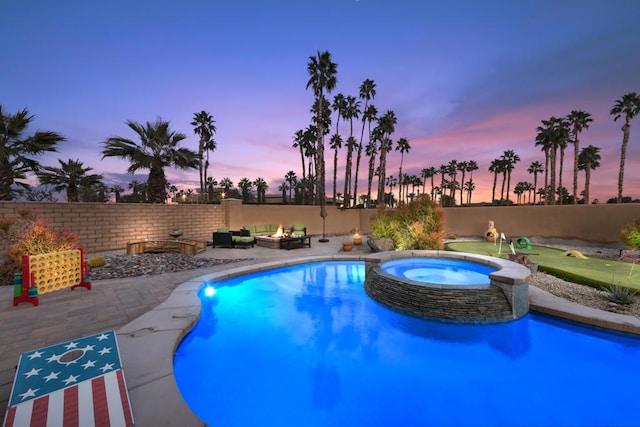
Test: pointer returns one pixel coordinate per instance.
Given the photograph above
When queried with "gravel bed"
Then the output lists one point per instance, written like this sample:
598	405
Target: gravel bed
121	266
581	294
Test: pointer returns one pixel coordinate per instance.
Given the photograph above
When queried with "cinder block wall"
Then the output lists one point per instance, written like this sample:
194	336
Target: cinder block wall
108	226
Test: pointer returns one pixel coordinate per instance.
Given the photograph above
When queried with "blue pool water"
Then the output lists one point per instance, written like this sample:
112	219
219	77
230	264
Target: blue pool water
441	271
305	346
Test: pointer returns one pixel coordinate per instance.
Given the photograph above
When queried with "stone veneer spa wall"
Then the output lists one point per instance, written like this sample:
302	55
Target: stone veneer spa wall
505	298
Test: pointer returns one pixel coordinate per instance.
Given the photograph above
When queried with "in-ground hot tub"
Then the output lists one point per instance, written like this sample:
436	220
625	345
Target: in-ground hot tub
450	286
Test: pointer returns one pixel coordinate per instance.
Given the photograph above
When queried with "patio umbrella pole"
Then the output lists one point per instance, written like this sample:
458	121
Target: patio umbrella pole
324	239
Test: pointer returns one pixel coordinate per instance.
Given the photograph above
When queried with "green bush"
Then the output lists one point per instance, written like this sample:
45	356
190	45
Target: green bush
620	294
631	234
417	225
97	262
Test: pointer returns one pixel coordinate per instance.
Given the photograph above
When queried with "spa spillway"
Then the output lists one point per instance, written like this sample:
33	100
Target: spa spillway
449	286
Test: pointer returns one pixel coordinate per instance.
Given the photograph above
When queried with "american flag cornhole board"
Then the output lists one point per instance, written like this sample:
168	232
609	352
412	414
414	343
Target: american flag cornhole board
75	383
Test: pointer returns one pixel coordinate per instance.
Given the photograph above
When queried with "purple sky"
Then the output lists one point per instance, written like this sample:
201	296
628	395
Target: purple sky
466	79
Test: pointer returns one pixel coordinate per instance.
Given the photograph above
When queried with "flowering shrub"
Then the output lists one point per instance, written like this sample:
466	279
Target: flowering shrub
631	234
417	225
28	234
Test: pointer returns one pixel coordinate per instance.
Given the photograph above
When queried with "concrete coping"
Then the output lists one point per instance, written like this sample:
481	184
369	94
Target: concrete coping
148	343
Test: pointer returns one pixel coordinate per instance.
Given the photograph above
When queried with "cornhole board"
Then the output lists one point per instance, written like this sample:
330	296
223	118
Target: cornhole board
75	383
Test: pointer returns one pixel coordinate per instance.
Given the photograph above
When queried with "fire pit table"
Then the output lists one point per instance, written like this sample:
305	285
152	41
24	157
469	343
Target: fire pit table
295	242
283	242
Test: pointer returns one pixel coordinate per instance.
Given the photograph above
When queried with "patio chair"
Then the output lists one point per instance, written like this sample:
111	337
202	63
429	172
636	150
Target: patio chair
222	237
298	230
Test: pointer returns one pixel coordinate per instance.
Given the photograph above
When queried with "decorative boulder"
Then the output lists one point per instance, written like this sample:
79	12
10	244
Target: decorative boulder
383	244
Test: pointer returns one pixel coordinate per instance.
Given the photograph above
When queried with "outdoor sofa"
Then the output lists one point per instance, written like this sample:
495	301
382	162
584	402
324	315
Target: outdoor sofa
298	229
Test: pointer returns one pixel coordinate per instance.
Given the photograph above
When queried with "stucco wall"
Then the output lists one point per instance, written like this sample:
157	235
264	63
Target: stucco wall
592	223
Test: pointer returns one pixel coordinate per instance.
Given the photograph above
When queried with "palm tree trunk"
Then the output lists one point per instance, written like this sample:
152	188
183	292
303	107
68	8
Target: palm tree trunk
335	174
493	190
72	193
6	174
587	179
576	153
623	155
561	170
156	183
546	174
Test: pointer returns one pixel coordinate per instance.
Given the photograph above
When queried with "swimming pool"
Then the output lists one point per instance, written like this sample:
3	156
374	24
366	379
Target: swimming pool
304	345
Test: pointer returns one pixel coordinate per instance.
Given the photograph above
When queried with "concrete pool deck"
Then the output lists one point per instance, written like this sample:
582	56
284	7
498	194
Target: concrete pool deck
152	313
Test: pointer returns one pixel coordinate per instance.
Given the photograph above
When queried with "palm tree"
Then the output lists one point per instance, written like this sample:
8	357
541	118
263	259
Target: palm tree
402	145
462	167
628	106
139	191
430	172
322	72
552	135
283	188
245	186
471	166
226	185
519	190
496	167
158	149
535	168
299	142
371	151
15	149
370	114
424	174
339	104
367	93
391	181
452	171
510	159
261	189
387	124
205	128
335	144
442	171
117	190
562	144
291	180
350	112
469	187
211	182
309	138
578	121
70	176
587	160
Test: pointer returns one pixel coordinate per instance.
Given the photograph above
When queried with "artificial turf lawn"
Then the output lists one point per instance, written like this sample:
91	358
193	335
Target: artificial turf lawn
592	271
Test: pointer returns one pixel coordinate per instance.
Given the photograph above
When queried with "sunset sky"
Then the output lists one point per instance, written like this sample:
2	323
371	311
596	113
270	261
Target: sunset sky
466	79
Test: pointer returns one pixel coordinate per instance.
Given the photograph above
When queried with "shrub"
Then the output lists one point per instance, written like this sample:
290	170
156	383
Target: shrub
416	225
97	262
26	233
620	294
630	235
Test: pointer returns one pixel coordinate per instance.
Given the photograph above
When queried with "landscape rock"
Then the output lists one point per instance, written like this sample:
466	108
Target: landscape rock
382	244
